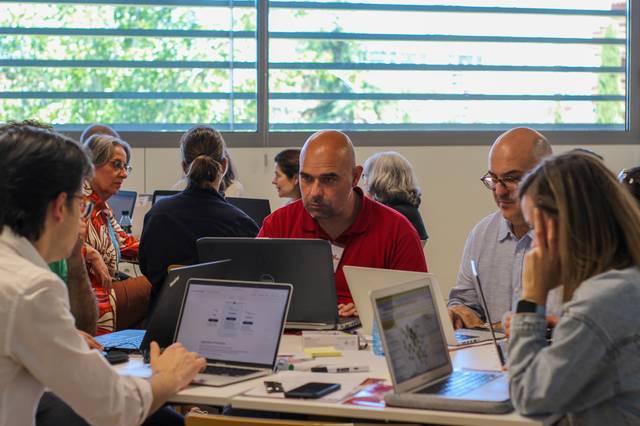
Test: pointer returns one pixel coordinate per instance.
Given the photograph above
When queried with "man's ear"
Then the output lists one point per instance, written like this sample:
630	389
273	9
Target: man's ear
357	173
57	207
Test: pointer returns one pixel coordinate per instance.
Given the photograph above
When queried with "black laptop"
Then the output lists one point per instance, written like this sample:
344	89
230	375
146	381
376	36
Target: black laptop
163	318
256	208
159	194
305	263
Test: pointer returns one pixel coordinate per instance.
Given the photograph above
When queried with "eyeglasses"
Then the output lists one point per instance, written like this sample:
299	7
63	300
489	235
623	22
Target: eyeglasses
628	176
86	207
119	165
509	182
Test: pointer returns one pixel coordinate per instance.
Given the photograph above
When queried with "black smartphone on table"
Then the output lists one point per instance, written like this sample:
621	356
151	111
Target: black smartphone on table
312	390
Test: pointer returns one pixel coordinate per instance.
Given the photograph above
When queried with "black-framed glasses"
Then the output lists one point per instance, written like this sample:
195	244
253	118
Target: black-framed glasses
509	182
119	165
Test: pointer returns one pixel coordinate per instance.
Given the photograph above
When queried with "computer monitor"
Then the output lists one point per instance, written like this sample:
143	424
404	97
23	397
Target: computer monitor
122	201
256	208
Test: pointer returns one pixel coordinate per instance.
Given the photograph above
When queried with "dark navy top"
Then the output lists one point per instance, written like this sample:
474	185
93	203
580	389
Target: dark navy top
414	217
174	224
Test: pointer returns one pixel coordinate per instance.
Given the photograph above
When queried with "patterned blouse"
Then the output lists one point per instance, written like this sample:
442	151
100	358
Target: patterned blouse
105	235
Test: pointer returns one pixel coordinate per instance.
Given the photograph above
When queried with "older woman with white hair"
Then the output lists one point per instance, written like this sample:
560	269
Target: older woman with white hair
122	303
390	180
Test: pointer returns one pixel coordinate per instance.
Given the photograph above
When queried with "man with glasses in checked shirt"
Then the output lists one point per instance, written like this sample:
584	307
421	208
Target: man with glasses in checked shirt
499	242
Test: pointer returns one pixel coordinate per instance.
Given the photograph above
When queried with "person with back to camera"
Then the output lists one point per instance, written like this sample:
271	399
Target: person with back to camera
230	185
39	344
587	244
285	179
390	180
173	225
123	303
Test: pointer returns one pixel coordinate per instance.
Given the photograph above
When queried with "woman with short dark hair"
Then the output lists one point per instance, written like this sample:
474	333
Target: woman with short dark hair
173	224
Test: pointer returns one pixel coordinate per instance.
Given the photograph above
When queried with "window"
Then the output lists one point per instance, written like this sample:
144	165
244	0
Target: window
381	65
139	65
274	68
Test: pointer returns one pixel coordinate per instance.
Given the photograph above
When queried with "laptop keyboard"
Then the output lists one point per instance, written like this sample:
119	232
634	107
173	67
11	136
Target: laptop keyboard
347	323
460	383
125	340
227	371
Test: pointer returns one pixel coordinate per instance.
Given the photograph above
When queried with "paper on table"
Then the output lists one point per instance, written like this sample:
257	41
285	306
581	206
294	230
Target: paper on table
135	367
291	380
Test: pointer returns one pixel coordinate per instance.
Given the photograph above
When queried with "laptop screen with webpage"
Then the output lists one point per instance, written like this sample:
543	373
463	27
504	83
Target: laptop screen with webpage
233	322
412	333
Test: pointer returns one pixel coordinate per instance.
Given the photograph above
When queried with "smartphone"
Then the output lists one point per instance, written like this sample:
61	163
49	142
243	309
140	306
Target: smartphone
312	390
116	357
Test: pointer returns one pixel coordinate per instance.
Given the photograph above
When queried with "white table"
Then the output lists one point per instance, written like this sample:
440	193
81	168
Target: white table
479	357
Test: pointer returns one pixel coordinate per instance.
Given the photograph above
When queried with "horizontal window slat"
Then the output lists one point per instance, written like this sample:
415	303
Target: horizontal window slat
441	8
127	95
443	126
297	65
196	3
439	97
117	32
69	63
176	127
345	6
442	37
306	96
120	32
437	67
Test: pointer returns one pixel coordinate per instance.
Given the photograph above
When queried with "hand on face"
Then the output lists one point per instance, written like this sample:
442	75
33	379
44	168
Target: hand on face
541	271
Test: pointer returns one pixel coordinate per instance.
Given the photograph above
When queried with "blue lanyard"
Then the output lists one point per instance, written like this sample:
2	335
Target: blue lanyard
114	240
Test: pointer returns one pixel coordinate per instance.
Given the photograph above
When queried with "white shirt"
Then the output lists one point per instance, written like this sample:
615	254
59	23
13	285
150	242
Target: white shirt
40	347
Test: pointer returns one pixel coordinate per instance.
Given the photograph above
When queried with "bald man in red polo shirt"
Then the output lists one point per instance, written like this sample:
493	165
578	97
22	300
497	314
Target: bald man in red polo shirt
362	232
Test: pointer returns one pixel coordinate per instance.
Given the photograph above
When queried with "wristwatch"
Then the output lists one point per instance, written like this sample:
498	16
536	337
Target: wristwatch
527	306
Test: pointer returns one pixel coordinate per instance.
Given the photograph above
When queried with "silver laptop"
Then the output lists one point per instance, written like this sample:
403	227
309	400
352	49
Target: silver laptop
418	357
235	325
362	281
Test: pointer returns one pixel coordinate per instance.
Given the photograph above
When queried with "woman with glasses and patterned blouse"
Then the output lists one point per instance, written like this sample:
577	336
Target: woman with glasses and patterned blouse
122	303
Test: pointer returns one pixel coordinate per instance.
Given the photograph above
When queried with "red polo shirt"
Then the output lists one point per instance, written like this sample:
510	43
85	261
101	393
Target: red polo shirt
379	238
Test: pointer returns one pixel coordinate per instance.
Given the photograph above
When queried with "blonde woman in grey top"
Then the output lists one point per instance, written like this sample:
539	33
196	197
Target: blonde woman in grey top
586	241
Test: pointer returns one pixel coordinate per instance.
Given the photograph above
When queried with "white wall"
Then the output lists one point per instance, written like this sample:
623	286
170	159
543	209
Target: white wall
453	200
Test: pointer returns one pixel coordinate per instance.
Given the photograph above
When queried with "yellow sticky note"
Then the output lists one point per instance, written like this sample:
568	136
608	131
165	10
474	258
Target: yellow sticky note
322	351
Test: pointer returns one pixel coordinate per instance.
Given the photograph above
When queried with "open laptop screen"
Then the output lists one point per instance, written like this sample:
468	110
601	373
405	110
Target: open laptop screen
122	201
412	333
233	322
